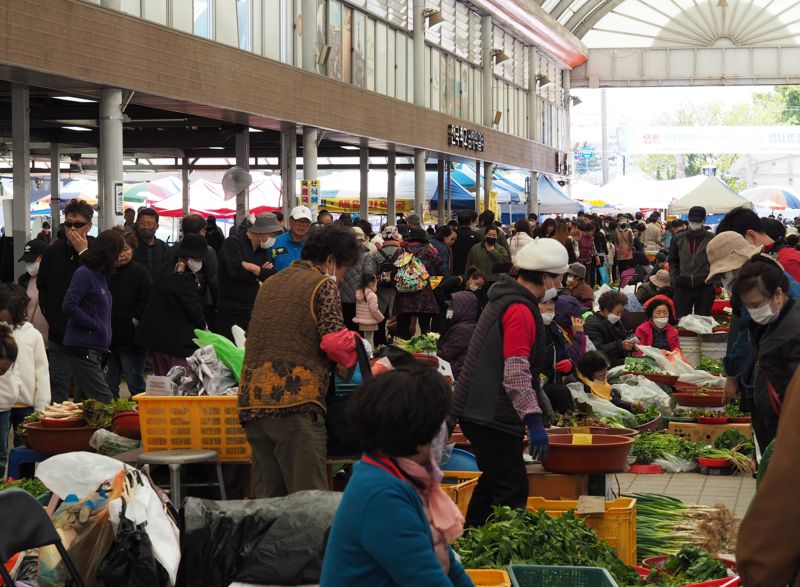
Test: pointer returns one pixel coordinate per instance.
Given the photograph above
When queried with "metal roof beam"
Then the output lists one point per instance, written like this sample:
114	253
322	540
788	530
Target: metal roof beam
585	22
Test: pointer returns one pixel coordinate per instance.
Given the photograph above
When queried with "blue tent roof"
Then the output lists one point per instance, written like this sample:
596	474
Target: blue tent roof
460	198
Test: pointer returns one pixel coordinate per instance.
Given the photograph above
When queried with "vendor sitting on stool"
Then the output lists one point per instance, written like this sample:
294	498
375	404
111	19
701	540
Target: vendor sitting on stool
657	331
593	373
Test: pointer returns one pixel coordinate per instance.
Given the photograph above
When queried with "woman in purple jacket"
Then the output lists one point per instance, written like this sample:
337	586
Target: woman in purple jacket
87	305
461	320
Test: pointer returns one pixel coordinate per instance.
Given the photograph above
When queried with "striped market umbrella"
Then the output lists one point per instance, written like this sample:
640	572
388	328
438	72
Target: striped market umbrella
773	197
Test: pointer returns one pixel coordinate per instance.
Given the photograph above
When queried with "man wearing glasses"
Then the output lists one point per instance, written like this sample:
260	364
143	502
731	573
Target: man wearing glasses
55	273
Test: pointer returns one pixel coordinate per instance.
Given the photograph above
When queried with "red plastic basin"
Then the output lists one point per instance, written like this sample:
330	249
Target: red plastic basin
56	441
606	454
127	424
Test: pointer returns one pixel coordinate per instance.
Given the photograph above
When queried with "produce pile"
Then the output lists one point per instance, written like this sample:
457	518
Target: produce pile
422	343
32	486
643	365
713	366
96	414
63	411
647	415
734	410
665	524
651	446
731	445
689	565
518	537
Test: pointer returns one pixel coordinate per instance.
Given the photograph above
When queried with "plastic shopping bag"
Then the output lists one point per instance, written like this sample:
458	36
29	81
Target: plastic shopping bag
673	362
601	290
601	408
673	464
698	324
635	388
231	355
603	275
78	473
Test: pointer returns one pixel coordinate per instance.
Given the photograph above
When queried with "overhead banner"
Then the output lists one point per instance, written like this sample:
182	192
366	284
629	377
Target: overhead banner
376	205
677	140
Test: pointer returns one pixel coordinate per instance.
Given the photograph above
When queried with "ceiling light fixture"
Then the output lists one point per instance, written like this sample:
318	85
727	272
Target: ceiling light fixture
543	80
575	100
350	148
434	17
217	148
499	56
74	99
77	128
497	117
255	129
324	54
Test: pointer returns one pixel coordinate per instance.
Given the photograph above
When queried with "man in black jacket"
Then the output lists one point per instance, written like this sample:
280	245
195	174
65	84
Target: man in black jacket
196	224
689	267
55	274
152	252
245	262
467	238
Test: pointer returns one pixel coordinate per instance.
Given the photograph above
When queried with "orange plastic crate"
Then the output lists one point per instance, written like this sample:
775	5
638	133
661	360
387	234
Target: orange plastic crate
489	577
193	422
459	486
617	526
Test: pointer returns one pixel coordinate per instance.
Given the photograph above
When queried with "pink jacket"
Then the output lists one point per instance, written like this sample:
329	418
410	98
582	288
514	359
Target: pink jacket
645	335
368	315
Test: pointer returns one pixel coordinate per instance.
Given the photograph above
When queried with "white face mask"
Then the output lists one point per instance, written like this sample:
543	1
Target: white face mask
660	322
194	265
32	268
333	276
695	225
473	287
726	280
613	318
601	381
550	293
764	314
570	280
267	244
449	314
548	317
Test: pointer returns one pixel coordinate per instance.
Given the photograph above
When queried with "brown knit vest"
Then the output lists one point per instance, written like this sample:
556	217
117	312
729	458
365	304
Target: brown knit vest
283	364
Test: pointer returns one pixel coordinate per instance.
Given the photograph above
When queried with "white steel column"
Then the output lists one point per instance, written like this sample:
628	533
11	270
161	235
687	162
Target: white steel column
487	78
185	184
310	135
110	155
288	161
391	201
419	181
243	161
533	96
55	187
488	180
604	127
478	166
419	52
441	207
21	151
363	166
567	85
533	193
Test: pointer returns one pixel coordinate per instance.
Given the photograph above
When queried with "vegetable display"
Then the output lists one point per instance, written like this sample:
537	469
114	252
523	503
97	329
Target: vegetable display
651	446
32	486
520	537
713	366
647	415
689	565
100	415
63	411
643	365
664	524
422	343
733	410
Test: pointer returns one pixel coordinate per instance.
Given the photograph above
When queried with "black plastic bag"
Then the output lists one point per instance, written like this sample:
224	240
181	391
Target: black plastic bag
130	561
278	540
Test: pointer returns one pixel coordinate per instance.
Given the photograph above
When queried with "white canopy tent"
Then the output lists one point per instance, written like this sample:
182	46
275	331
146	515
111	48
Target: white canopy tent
712	194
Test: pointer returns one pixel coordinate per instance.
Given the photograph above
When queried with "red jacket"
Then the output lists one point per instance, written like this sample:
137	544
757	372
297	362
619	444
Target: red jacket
645	335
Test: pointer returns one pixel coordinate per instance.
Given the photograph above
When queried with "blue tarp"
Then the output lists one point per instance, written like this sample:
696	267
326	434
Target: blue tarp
460	198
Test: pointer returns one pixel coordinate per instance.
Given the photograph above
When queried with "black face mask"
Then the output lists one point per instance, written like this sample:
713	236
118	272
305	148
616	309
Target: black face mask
490	240
146	233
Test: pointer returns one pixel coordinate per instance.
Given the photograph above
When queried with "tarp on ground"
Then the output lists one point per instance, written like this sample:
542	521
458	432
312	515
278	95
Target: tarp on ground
709	192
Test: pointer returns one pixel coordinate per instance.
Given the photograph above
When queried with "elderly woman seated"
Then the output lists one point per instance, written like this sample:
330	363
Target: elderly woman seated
394	524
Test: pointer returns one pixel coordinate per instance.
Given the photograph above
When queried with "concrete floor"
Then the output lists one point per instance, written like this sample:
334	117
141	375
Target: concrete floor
733	492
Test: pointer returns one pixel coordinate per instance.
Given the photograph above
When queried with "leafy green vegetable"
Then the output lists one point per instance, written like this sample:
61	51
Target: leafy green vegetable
713	366
643	365
732	439
32	486
689	565
100	415
733	409
655	445
422	343
647	415
513	536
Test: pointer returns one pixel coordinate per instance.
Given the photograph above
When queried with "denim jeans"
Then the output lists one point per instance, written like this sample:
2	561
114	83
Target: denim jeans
129	362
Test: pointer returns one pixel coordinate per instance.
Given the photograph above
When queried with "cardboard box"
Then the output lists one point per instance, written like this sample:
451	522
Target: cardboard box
705	433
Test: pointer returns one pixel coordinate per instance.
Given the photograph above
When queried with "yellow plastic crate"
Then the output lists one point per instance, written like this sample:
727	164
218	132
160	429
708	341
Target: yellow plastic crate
193	422
617	526
489	577
460	491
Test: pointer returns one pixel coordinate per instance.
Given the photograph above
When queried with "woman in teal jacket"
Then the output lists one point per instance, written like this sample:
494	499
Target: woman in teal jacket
394	524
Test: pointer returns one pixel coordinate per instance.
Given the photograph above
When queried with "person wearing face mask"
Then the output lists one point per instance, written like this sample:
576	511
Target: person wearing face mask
487	254
175	308
245	262
762	288
296	338
152	252
606	331
561	355
689	267
56	269
577	286
498	393
32	257
461	319
657	332
592	372
209	274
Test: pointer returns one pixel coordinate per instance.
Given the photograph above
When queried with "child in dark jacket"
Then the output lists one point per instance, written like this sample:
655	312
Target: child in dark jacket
462	319
593	372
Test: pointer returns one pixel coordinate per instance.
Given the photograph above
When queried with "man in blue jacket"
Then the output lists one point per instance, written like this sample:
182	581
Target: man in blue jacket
289	245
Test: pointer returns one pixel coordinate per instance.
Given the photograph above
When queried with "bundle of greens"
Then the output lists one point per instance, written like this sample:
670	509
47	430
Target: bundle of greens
736	448
100	415
518	537
29	419
734	410
643	365
32	486
689	565
713	366
664	524
647	415
657	445
423	343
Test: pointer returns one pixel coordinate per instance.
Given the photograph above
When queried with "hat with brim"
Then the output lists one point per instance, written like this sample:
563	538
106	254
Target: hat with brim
265	223
546	255
660	279
33	249
193	245
728	251
578	270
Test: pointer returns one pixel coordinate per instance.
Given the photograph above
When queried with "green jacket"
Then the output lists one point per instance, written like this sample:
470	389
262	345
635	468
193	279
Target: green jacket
485	260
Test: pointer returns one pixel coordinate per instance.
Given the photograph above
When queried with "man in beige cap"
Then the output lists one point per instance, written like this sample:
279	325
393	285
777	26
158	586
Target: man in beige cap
657	284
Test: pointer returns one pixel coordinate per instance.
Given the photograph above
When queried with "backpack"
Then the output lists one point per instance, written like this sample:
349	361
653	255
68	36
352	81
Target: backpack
411	274
387	269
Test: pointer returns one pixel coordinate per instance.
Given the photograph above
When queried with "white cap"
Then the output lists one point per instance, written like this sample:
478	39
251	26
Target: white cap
546	255
300	213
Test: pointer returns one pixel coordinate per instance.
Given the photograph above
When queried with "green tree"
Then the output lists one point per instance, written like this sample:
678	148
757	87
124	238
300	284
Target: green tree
790	103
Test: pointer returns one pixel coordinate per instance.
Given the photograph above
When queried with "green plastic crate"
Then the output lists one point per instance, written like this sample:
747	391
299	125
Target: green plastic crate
541	576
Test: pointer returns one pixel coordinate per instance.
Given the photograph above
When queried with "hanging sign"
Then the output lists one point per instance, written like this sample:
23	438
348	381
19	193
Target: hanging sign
119	204
466	138
309	191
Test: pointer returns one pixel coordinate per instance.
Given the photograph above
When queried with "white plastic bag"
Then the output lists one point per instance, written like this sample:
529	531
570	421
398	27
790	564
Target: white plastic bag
703	379
673	362
601	408
673	464
78	473
643	390
698	324
601	290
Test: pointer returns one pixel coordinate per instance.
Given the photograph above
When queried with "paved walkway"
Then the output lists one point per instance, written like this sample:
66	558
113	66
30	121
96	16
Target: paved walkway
734	492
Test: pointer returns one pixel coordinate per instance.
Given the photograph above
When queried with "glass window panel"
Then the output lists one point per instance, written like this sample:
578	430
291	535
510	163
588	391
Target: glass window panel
477	93
202	18
409	69
370	54
448	28
398	12
391	61
133	7
444	74
378	8
462	30
456	88
475	35
156	11
244	12
428	76
436	80
335	39
380	57
465	93
272	23
401	51
181	14
434	35
347	44
359	49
